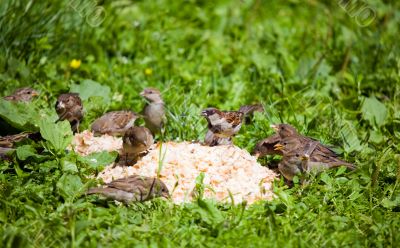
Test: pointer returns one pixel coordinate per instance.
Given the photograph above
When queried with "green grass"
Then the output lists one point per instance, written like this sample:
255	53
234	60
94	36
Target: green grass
308	62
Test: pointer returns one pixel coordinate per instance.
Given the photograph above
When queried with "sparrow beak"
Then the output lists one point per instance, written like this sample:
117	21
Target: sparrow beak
257	154
35	93
275	127
165	195
142	93
305	157
204	113
278	147
60	105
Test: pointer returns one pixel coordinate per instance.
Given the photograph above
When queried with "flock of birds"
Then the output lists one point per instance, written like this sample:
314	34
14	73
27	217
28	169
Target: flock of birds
301	155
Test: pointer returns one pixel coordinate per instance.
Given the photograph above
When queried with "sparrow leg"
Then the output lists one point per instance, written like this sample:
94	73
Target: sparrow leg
141	195
77	126
305	182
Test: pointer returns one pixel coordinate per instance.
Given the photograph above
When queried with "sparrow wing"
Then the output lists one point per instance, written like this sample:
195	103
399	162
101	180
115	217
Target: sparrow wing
130	184
310	147
114	121
271	140
9	140
331	161
233	117
66	115
116	194
142	187
154	116
266	146
320	147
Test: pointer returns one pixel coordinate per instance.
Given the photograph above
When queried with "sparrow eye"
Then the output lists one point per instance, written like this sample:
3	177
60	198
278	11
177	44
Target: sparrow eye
297	155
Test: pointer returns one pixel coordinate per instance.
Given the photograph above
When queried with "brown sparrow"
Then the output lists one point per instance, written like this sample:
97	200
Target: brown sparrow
291	165
294	161
154	111
135	141
133	189
224	124
290	134
22	95
9	140
308	157
69	107
267	146
114	123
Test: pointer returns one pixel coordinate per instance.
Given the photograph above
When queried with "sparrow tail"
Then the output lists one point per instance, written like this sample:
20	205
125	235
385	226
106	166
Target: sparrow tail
250	109
350	166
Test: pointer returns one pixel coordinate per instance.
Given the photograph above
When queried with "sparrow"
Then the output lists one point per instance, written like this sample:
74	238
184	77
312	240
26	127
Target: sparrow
291	165
114	123
226	124
134	188
223	124
22	95
154	111
69	107
306	158
211	140
136	140
7	143
289	133
9	140
294	161
267	146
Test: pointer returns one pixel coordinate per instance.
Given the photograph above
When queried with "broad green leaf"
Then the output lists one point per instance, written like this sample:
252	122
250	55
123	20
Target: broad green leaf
48	166
69	185
374	111
96	160
209	211
350	138
376	137
387	203
58	135
340	171
22	116
26	151
89	88
68	166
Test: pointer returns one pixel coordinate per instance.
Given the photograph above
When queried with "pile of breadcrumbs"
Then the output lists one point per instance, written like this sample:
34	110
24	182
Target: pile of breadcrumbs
229	171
